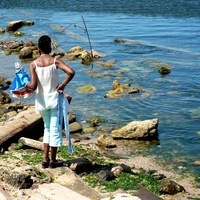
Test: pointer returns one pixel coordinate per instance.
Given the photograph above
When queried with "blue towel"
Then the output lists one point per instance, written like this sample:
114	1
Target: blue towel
63	108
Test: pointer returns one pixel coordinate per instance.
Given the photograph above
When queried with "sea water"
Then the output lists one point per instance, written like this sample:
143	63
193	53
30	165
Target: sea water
160	32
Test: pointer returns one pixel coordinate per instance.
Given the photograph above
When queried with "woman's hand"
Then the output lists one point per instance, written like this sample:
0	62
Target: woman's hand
60	88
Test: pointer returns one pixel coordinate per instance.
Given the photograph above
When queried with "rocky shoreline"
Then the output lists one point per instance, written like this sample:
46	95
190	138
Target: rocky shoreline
178	186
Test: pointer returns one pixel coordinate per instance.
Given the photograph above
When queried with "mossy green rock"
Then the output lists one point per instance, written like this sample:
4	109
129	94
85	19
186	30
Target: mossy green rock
96	121
8	52
18	33
106	141
88	130
164	70
87	88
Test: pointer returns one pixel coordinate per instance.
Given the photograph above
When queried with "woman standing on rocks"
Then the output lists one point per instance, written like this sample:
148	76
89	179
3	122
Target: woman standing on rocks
44	80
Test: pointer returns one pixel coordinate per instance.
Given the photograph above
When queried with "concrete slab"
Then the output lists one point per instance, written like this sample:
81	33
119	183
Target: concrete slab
66	177
22	123
55	191
4	195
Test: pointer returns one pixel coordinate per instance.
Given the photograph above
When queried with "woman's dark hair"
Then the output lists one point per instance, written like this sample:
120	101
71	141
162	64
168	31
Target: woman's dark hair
44	43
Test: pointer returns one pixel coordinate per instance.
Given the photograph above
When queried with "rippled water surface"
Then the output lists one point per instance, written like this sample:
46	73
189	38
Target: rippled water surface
160	32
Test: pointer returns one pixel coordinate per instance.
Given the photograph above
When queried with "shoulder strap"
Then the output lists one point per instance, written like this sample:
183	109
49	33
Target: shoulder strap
55	63
35	63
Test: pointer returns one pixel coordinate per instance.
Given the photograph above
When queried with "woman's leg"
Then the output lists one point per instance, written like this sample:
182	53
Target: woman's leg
46	152
55	134
53	153
46	138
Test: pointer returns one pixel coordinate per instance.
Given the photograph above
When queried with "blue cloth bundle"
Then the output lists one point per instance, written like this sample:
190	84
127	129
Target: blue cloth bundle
63	108
18	86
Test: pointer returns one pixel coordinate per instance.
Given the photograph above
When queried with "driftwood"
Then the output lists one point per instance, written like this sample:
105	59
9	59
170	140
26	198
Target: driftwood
31	143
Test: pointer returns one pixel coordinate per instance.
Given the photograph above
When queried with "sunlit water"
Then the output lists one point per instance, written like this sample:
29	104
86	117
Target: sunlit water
168	32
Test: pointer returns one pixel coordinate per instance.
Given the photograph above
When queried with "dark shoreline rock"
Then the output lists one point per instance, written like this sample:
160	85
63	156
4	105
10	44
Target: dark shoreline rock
15	25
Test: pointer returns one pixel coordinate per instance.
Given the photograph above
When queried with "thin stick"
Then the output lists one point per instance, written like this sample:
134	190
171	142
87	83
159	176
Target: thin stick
87	36
85	29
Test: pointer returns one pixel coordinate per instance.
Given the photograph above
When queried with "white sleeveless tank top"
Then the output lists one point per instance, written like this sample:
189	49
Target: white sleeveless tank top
46	93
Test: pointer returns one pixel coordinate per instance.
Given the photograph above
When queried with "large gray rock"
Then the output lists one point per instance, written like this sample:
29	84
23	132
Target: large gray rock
146	129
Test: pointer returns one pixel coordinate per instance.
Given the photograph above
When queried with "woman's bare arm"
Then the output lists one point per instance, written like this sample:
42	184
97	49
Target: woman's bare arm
33	83
68	70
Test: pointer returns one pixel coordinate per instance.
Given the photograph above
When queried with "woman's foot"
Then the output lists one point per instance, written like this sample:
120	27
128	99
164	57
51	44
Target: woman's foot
45	164
56	163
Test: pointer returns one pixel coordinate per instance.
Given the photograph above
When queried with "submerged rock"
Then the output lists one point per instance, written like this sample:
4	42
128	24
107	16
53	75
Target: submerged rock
119	89
164	70
108	64
18	33
87	88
